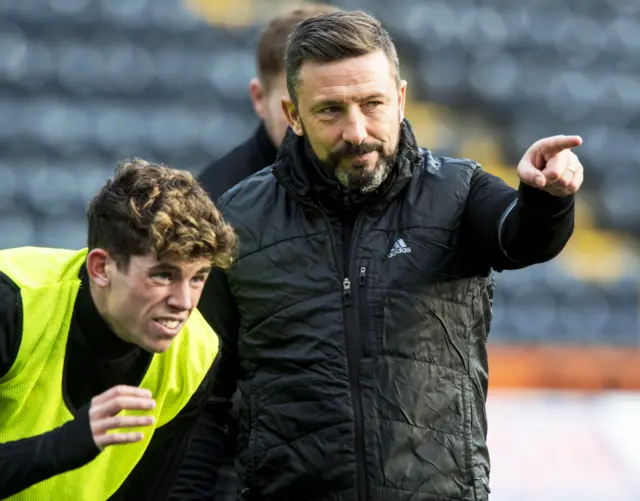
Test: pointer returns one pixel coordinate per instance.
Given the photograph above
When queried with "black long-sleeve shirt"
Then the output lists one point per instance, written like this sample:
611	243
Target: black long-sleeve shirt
506	228
96	360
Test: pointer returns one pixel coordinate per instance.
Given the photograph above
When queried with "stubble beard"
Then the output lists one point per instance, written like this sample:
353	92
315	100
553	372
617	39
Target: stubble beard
363	180
360	180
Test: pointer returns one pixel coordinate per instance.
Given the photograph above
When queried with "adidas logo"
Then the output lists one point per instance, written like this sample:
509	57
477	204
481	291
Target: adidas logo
399	248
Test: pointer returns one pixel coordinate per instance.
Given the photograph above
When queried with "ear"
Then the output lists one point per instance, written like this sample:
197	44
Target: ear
293	117
256	92
99	265
402	96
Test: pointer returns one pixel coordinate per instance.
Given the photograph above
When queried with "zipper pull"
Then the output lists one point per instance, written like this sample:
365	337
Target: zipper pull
346	286
363	275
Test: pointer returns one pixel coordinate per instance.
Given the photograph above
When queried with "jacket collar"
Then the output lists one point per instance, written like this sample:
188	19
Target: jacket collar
297	169
265	149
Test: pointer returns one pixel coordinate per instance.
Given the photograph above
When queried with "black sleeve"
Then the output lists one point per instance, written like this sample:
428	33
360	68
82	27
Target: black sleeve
162	459
31	460
198	474
510	229
10	323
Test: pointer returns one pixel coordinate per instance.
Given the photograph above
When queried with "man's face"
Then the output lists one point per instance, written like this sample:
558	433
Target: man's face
149	302
267	101
350	112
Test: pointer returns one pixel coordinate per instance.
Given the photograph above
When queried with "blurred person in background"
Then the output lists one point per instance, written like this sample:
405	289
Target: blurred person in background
87	334
266	92
354	321
257	152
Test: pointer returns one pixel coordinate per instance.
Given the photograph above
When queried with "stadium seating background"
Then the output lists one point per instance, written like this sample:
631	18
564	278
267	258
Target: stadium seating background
86	83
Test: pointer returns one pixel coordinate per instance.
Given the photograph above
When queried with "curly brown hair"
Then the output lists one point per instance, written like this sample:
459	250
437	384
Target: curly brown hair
147	207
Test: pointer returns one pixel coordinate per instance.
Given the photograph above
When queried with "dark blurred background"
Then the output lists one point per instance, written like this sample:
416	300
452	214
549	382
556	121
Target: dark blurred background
87	83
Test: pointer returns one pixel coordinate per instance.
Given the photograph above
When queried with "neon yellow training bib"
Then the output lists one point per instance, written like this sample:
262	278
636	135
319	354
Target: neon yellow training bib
31	399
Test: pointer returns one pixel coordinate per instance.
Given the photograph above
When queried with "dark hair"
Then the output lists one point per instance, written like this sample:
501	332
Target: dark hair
148	207
270	50
334	37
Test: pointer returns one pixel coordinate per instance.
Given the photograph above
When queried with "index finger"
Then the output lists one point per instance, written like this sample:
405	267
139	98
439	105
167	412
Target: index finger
118	404
121	390
551	146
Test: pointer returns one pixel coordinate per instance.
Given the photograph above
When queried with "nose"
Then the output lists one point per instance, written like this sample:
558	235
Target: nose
355	130
180	297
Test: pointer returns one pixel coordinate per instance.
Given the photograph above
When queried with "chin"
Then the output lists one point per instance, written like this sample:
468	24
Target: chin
157	346
369	165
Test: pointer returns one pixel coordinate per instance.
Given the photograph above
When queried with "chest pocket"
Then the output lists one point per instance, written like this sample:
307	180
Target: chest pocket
419	305
417	258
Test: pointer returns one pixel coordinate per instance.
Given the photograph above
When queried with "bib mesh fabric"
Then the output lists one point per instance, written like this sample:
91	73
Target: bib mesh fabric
31	398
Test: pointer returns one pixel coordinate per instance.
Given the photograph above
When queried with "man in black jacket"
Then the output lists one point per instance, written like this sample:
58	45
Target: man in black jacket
266	92
355	320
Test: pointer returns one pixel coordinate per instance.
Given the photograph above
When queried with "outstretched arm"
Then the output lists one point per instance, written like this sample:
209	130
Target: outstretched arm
512	229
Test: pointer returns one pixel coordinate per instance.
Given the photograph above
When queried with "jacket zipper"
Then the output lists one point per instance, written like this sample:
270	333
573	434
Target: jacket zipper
354	343
354	338
363	311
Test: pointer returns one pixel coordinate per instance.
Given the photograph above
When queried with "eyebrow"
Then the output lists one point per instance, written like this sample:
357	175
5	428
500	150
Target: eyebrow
337	102
173	267
377	95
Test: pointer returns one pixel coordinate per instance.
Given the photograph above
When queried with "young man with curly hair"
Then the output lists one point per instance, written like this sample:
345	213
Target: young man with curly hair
105	361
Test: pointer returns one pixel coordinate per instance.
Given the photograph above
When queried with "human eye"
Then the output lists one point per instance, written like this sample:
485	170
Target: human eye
199	279
162	276
330	110
373	104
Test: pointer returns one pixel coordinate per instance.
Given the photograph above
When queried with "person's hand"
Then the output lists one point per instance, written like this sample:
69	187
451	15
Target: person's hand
551	166
105	407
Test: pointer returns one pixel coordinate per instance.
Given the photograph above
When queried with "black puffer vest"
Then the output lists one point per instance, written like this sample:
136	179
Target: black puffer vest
362	339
